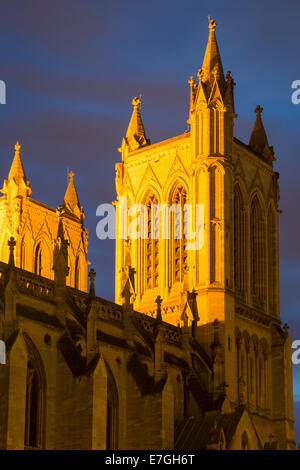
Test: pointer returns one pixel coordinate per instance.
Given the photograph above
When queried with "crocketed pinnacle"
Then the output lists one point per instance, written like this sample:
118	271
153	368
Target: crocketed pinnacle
17	170
71	201
136	135
212	65
258	140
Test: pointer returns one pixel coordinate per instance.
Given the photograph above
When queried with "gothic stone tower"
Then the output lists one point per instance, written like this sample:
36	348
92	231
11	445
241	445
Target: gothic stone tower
34	226
233	278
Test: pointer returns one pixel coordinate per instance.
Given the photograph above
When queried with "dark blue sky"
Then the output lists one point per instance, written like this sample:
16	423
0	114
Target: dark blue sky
72	68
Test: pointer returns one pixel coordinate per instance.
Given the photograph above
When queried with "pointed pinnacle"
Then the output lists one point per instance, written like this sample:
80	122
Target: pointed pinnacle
16	170
212	64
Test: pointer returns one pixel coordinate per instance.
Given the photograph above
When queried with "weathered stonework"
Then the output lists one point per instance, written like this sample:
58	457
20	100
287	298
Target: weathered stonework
192	355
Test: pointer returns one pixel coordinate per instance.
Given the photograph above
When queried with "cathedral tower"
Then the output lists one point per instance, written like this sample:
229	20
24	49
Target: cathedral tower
232	276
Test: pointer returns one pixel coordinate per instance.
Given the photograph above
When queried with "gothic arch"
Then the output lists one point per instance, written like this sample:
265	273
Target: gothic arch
256	192
258	255
246	339
238	181
79	271
255	343
176	179
35	416
240	258
26	250
144	193
112	411
272	259
216	210
263	343
262	372
219	165
239	347
216	189
177	242
4	245
42	256
198	167
150	245
238	335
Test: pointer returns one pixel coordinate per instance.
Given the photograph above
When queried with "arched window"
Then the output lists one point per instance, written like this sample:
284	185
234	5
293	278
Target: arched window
260	379
263	373
38	260
239	242
77	274
272	261
23	254
242	366
112	412
179	241
251	375
238	342
35	399
216	210
257	252
152	244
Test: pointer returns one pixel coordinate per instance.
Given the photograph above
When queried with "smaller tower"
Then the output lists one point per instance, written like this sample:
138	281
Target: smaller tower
16	192
34	225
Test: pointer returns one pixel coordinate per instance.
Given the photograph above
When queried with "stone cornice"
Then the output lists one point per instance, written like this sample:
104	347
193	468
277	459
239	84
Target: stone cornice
255	316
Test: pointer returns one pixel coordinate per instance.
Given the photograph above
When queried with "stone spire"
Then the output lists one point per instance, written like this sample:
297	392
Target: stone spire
136	136
258	139
16	183
212	65
17	170
71	201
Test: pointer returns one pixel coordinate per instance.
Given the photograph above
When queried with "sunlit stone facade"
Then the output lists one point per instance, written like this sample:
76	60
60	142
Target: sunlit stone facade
34	227
192	354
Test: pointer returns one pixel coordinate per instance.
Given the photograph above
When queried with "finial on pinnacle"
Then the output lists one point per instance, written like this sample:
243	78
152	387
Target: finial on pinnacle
212	24
136	102
92	275
286	328
71	175
17	147
258	110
